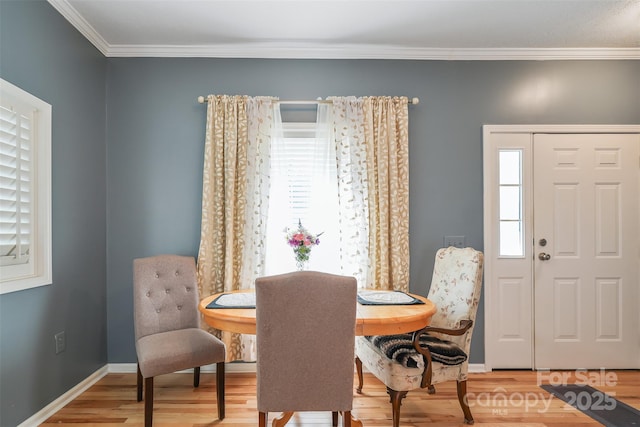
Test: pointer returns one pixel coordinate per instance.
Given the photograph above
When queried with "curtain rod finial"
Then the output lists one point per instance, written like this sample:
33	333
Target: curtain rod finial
415	100
201	99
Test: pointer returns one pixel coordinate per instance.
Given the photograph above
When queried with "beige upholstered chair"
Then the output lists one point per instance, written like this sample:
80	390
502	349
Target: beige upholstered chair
166	318
438	352
305	331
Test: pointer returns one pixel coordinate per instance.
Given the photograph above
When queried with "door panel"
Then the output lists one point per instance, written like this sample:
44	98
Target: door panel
508	280
566	323
608	315
586	289
565	223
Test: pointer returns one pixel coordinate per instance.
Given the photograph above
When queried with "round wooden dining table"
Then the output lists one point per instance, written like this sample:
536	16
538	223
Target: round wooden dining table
370	319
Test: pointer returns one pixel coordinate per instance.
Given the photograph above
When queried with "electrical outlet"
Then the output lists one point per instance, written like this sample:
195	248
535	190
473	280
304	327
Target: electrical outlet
455	241
61	342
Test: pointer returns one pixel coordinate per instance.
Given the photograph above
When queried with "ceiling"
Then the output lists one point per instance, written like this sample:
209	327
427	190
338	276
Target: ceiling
391	29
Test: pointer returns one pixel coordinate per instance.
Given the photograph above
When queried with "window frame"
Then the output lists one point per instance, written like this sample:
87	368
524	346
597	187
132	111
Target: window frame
38	270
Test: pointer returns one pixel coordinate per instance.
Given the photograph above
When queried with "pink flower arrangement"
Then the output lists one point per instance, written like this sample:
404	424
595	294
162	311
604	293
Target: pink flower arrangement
301	241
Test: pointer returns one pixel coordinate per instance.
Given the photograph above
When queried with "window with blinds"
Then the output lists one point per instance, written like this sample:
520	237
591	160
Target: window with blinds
25	190
301	189
298	147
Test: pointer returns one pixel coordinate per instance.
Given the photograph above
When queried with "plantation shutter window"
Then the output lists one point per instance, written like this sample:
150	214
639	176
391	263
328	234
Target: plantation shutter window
25	190
15	183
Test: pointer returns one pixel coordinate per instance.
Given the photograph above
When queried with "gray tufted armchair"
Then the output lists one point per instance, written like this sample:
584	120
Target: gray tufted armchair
167	326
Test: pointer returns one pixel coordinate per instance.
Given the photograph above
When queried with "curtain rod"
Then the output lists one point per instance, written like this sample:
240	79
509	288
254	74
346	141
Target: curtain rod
414	101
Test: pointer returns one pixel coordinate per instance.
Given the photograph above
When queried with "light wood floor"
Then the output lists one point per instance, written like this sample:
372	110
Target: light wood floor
112	402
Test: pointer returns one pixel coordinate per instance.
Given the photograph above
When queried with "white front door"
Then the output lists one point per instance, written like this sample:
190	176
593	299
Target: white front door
562	262
586	250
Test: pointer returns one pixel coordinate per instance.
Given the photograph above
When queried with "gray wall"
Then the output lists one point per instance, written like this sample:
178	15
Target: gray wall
156	138
134	189
41	53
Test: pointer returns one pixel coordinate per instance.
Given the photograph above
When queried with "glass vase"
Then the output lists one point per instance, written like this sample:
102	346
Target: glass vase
301	265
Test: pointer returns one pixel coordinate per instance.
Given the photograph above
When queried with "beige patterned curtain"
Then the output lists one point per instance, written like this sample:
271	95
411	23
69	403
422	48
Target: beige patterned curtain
234	201
372	147
386	126
353	187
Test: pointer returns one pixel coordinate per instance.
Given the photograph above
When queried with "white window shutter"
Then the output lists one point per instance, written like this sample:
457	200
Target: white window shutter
16	138
25	190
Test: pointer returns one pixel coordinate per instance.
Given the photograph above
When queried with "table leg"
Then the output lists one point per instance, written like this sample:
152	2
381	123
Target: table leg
354	422
282	419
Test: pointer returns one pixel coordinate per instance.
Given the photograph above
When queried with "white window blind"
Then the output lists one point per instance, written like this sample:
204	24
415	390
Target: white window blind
25	190
15	183
297	158
302	164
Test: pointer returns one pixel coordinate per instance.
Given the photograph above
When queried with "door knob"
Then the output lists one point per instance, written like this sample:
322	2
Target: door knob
544	257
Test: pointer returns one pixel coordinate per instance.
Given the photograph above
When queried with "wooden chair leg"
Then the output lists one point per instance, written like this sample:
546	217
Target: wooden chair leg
396	401
196	376
139	384
334	418
220	389
148	402
462	398
359	371
262	419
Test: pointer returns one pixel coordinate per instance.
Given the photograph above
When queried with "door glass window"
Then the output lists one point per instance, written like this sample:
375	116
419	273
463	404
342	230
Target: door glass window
510	203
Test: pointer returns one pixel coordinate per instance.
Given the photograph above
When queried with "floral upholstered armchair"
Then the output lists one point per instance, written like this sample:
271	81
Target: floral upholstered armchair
440	351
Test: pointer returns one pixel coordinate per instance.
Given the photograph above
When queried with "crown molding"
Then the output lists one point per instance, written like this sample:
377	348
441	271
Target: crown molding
296	50
81	24
317	51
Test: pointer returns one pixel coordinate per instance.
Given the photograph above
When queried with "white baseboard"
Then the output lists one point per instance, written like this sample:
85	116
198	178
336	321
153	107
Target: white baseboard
233	367
476	368
53	407
125	368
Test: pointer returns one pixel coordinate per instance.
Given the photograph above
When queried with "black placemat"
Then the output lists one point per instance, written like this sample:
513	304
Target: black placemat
386	298
234	300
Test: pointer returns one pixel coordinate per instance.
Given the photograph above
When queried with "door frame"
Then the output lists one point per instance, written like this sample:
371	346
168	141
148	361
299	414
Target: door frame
490	197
